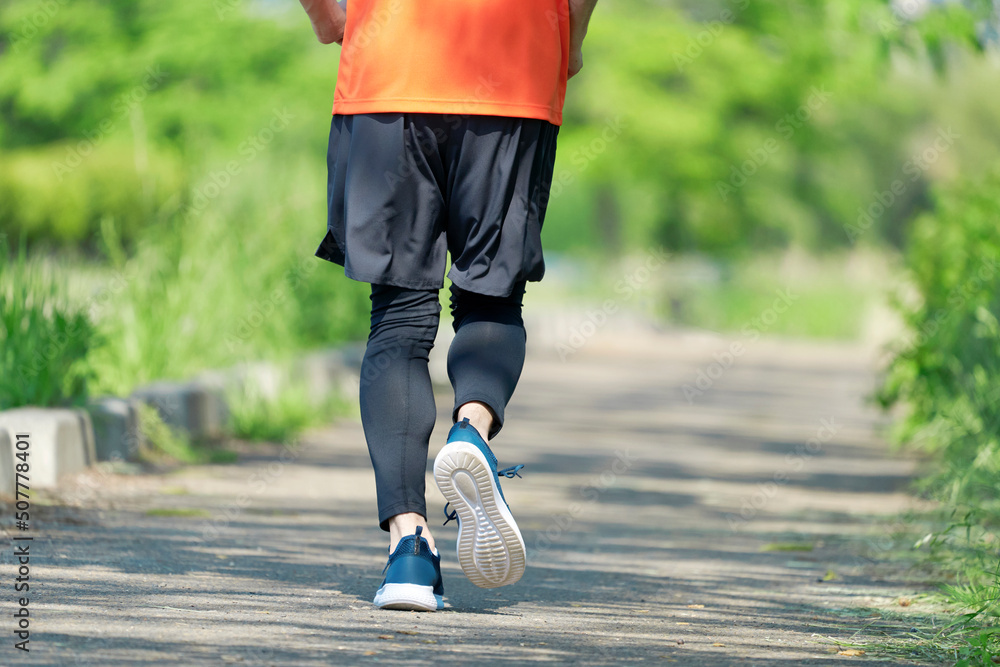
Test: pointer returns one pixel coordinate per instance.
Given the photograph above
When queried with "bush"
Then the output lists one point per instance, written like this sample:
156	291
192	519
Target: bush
945	372
44	339
946	369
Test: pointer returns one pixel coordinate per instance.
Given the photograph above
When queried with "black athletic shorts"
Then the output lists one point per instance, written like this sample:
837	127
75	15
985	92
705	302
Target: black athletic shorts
405	188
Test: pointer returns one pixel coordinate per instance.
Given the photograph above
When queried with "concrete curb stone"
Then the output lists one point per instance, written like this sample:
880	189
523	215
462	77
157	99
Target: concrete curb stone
66	441
89	441
117	435
195	408
62	441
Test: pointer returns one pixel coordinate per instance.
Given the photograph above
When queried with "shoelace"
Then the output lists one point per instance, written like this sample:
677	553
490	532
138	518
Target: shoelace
509	473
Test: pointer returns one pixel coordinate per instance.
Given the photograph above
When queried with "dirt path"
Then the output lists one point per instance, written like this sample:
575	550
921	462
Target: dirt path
645	516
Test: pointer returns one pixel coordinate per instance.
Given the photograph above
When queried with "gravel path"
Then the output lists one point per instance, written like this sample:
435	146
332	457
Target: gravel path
652	523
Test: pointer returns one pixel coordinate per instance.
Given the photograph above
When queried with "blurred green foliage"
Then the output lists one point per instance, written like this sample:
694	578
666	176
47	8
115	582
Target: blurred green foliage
945	373
165	445
198	75
946	367
119	109
730	127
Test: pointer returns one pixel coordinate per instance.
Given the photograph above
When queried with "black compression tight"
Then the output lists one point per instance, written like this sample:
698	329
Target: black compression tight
397	401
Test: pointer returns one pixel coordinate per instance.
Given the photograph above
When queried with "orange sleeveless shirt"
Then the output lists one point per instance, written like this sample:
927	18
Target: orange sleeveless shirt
478	57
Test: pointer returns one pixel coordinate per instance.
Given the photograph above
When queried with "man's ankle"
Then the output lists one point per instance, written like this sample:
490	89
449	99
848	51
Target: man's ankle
405	524
480	417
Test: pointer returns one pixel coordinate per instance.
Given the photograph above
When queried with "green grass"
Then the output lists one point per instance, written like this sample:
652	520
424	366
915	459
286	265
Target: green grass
818	311
979	627
200	290
957	622
967	552
44	339
887	633
929	634
197	290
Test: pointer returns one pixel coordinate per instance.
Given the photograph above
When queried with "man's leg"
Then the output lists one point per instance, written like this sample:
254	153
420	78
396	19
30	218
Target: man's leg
486	356
397	404
484	364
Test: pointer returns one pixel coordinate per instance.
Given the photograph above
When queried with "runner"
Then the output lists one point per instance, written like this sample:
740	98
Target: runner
443	139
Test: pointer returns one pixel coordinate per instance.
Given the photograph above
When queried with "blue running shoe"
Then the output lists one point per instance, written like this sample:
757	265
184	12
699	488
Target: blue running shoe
412	577
490	547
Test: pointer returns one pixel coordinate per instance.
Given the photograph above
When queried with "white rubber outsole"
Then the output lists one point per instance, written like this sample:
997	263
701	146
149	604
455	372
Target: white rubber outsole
409	597
490	548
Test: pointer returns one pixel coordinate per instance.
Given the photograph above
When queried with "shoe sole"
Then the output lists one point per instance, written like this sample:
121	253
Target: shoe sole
408	597
490	548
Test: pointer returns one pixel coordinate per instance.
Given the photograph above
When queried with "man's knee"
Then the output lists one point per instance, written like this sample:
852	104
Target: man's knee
403	317
500	309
